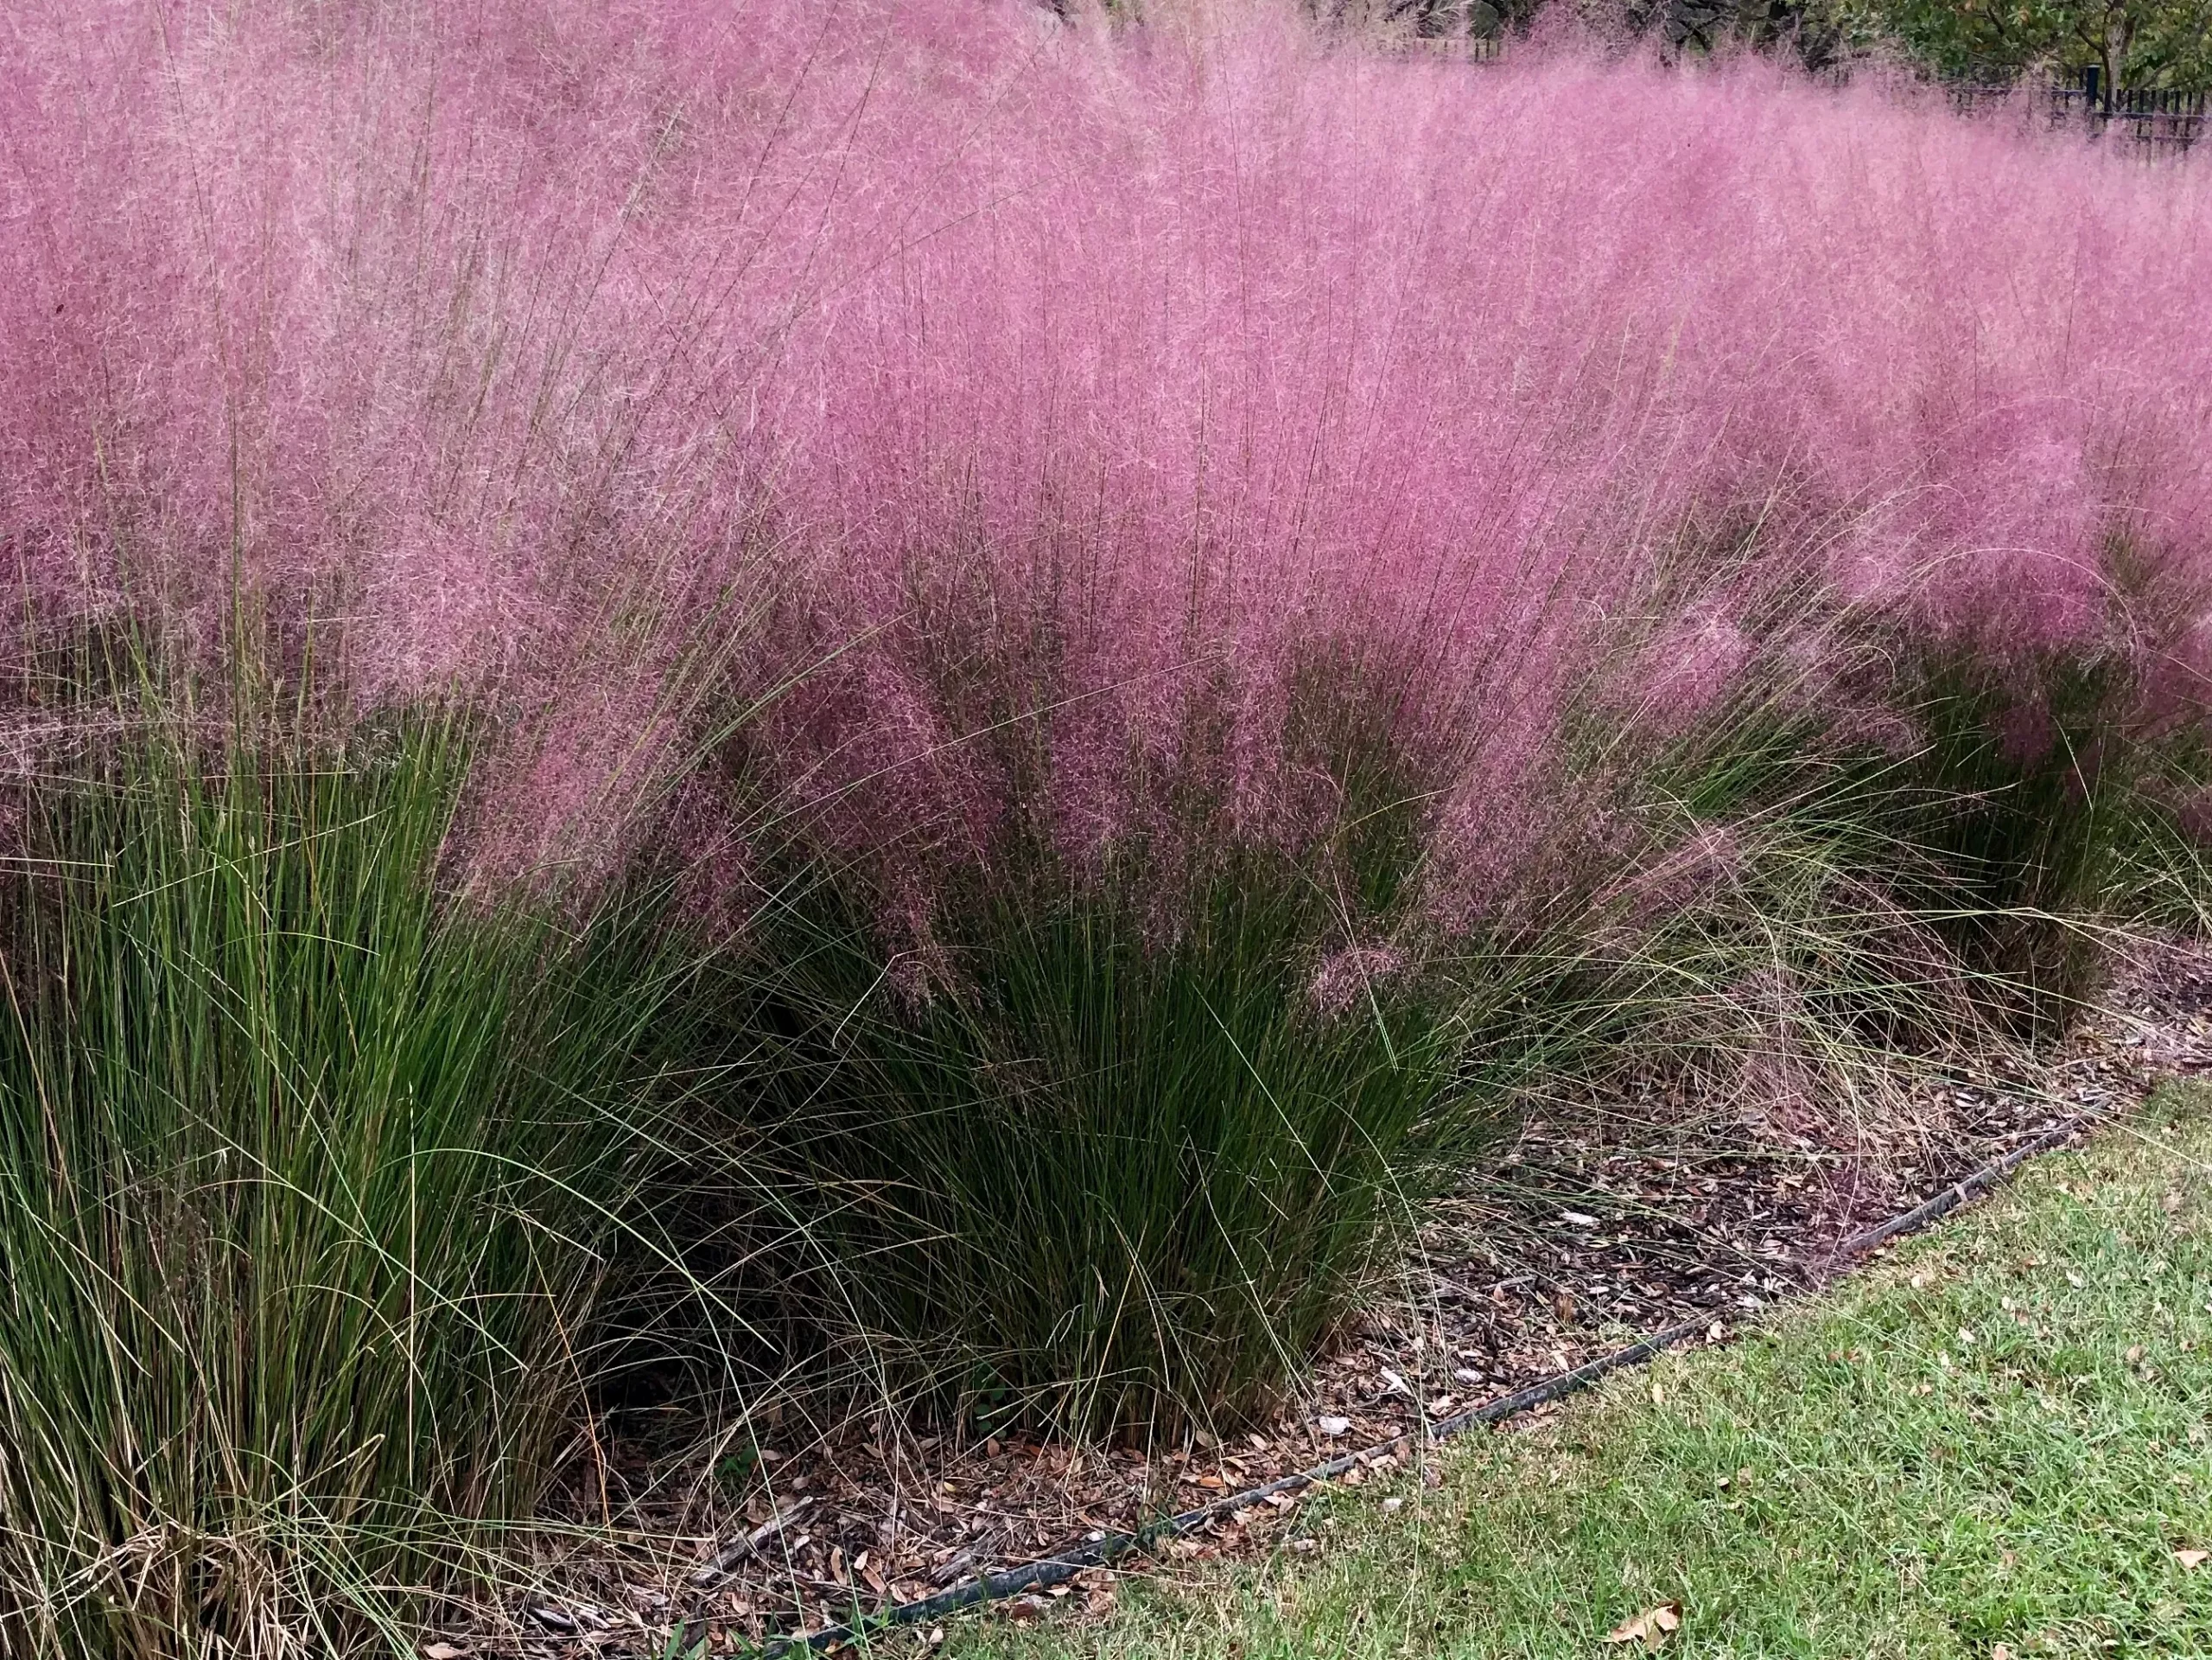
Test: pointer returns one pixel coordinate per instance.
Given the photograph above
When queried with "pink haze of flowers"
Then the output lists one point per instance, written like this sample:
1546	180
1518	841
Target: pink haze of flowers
617	364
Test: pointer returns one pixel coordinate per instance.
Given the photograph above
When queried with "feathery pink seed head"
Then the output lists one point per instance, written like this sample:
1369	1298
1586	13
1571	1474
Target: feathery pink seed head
1080	382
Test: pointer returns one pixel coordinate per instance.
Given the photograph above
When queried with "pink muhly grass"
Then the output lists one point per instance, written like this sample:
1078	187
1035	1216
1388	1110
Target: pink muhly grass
1055	392
1346	976
1234	350
361	322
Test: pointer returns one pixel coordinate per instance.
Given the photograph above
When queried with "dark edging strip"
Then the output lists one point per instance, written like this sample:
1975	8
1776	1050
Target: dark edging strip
1952	1197
1075	1557
1065	1563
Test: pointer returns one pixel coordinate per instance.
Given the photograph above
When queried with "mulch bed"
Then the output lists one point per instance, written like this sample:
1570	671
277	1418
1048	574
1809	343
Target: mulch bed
1571	1246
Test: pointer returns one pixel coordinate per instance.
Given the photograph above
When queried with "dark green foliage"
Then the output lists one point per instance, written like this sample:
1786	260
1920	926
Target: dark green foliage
1112	1140
1103	1177
306	1174
2018	800
2132	43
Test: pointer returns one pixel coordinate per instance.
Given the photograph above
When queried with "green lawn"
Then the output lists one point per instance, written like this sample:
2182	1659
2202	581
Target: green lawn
1994	1438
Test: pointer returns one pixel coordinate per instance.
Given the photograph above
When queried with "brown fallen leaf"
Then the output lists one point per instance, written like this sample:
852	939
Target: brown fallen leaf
2193	1560
443	1651
1650	1627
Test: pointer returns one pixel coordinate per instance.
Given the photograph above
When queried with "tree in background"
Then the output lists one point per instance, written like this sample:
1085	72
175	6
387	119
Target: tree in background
2130	43
1811	28
1691	25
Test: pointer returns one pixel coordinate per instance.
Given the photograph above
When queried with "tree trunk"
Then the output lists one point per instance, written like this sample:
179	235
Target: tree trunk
2112	51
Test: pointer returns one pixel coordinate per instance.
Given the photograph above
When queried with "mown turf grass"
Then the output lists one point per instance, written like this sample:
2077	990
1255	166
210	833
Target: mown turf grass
1994	1436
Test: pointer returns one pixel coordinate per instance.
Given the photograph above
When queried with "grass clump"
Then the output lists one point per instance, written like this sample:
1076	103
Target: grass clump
1103	1181
2020	806
1110	1137
306	1179
1995	1436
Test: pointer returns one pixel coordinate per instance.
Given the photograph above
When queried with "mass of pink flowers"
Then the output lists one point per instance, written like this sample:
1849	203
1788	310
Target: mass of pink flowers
894	374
